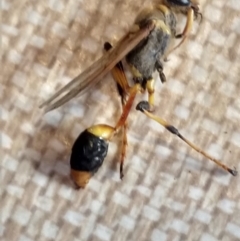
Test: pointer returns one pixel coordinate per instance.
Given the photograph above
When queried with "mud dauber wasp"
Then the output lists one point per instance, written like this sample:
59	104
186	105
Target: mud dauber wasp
145	47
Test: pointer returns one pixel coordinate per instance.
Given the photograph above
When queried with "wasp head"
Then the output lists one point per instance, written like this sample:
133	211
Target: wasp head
180	3
183	5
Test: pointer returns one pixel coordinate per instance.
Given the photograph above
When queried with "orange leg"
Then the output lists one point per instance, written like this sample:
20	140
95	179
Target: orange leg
123	89
122	122
126	109
107	132
123	150
124	140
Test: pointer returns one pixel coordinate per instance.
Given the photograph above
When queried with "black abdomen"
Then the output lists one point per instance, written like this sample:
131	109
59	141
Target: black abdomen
88	152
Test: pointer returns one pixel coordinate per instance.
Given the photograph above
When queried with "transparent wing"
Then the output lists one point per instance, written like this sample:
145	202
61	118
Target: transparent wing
93	74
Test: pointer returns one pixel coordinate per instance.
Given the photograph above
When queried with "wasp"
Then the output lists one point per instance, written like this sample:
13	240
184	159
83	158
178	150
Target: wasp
145	48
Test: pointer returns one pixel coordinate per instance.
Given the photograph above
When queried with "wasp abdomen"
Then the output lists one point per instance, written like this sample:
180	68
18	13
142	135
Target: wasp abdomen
88	152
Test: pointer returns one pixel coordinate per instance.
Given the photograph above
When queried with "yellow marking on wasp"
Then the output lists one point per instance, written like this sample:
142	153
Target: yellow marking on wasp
150	89
103	131
135	71
164	9
161	25
81	178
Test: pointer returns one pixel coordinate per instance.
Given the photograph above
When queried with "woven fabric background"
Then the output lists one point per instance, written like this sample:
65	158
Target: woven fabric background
169	191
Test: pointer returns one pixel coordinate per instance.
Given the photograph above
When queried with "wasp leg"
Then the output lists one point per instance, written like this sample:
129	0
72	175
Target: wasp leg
123	150
123	88
124	140
186	31
126	109
159	68
144	107
123	122
151	90
107	132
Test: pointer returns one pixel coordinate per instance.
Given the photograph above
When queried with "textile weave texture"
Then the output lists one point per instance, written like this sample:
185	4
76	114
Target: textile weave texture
169	192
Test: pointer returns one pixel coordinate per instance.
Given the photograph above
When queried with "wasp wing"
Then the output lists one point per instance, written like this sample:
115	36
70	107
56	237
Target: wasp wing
93	74
119	76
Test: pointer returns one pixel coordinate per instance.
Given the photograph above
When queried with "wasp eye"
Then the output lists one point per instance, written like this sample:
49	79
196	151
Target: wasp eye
180	2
